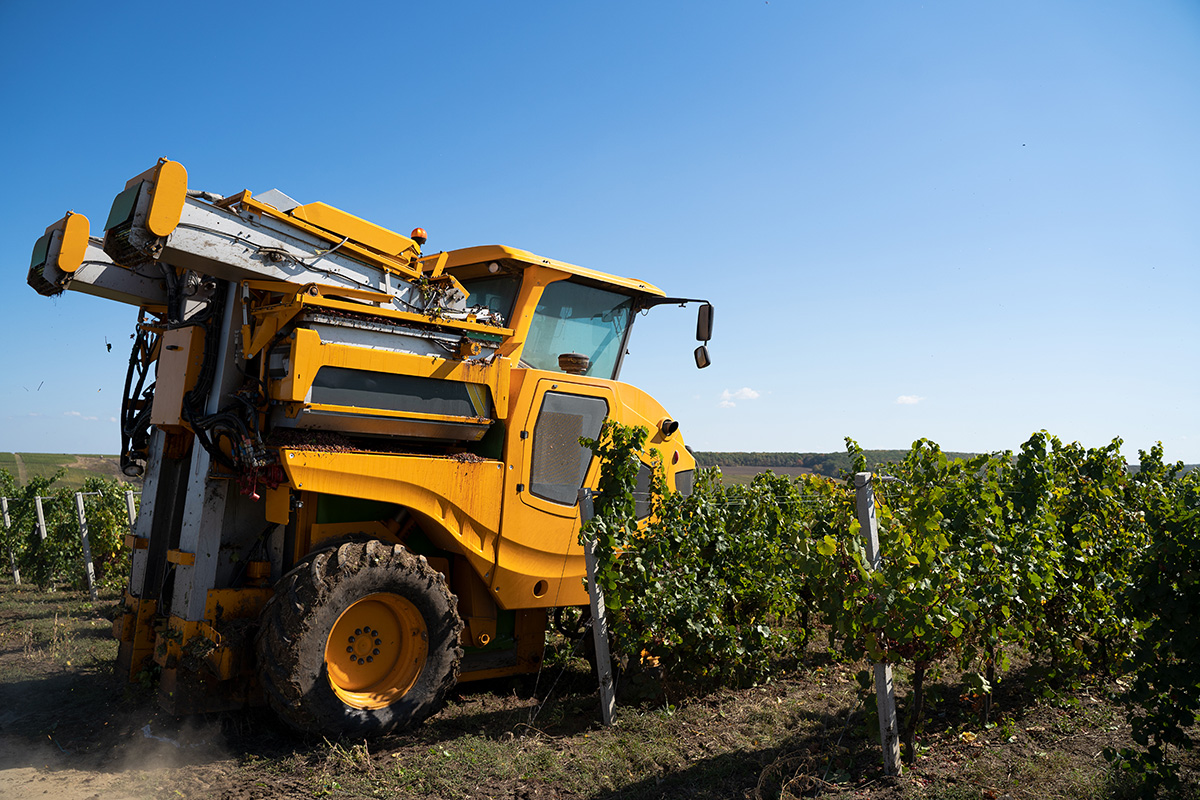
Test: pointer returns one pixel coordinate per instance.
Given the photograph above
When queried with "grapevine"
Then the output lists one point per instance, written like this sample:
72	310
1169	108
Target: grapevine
1058	550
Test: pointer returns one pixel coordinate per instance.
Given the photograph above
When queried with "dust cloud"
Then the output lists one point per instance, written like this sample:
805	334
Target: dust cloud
153	760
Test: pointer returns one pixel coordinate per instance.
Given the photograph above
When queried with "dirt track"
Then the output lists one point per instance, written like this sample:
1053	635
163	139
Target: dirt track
69	728
131	771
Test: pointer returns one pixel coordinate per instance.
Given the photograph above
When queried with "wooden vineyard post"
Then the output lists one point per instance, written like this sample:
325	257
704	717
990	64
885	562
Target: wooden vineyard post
608	699
12	554
37	502
130	507
87	548
885	694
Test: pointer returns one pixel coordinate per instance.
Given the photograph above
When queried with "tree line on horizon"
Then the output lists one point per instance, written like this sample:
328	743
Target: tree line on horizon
831	465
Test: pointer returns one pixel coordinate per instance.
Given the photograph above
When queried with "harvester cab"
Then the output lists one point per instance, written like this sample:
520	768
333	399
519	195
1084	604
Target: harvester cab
360	462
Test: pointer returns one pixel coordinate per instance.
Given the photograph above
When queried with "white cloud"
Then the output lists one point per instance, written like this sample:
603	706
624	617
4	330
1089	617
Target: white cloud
72	414
745	393
908	400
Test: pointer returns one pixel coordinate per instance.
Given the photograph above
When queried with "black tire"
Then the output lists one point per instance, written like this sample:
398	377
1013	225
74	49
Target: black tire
410	615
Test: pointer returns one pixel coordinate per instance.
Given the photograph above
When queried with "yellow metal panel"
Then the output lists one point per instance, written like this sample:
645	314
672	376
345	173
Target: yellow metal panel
439	564
181	558
337	221
323	532
385	413
475	605
531	639
268	321
533	283
167	197
478	399
220	658
488	253
74	242
226	659
303	521
455	500
397	264
123	625
304	362
539	538
438	264
137	635
227	604
168	646
572	385
640	409
309	354
278	504
516	579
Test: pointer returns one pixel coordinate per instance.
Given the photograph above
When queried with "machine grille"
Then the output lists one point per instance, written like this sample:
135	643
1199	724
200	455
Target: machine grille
642	504
560	463
121	250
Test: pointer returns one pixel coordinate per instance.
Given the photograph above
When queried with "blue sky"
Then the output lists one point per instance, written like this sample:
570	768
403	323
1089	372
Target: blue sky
960	221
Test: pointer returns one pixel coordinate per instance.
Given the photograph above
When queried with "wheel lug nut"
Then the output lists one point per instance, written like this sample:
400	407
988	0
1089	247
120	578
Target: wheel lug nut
351	640
349	649
370	658
360	661
358	631
376	651
379	641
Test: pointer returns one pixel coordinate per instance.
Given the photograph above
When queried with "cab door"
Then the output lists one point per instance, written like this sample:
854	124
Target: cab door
539	560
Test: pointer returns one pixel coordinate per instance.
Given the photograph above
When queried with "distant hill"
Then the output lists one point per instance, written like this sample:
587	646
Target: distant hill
23	466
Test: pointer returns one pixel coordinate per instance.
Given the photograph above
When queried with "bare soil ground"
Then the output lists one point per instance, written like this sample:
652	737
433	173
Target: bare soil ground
104	466
70	729
22	476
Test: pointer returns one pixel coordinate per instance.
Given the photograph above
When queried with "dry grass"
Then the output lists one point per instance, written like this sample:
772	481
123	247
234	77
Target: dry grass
803	735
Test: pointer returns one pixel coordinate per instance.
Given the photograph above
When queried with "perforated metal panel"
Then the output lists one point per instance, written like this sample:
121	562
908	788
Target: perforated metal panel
684	479
559	461
363	389
642	502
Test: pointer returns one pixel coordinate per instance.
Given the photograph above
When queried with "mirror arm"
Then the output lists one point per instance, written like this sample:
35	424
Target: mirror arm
651	302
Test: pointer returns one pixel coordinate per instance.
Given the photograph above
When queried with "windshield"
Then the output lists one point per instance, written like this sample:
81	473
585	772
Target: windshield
573	318
496	292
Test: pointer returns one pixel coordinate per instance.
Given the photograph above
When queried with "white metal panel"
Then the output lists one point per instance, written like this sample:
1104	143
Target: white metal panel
145	520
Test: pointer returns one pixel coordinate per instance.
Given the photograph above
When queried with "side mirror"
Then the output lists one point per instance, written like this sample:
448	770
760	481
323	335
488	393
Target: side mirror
702	359
704	323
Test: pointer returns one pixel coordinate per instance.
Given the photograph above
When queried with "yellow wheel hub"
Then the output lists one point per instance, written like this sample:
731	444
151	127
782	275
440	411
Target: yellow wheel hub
376	651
